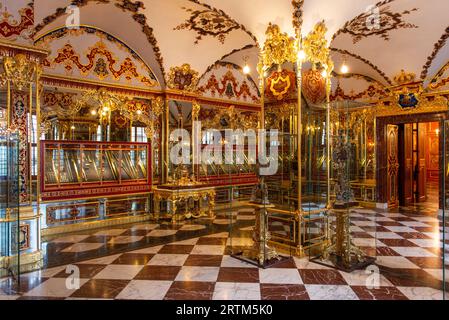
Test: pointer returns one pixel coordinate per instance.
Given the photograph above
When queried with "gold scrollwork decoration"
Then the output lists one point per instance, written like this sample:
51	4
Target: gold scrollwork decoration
158	106
425	105
195	110
19	70
315	46
231	118
183	78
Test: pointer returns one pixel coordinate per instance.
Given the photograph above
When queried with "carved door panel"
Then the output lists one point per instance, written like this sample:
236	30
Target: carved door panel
392	165
422	169
407	183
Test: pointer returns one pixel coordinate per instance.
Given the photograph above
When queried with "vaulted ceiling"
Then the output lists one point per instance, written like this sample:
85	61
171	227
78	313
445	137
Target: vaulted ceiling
409	34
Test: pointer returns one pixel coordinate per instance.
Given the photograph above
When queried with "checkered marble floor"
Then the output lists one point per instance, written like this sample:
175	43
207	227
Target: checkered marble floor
84	245
408	248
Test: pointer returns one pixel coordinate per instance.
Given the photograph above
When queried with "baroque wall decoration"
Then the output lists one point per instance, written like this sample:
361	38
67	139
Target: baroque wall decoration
107	59
125	5
19	122
280	85
358	28
424	105
58	99
11	29
372	92
404	77
182	78
228	118
313	86
436	48
208	23
224	83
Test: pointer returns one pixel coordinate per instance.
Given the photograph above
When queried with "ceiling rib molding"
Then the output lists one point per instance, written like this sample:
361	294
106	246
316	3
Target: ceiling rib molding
356	76
436	48
209	68
62	11
365	61
141	19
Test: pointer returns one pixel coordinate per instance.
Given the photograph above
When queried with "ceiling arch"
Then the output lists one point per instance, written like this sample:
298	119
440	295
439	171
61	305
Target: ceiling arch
403	38
51	15
91	53
410	34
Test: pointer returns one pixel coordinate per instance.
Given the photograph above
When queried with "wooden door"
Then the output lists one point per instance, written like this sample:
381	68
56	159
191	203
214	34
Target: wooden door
407	181
392	165
421	192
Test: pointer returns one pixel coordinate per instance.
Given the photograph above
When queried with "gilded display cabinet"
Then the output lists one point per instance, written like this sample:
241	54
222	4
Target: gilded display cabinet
19	214
11	237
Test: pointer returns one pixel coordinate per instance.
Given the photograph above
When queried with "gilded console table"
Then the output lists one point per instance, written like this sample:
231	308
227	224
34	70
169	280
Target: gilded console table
176	196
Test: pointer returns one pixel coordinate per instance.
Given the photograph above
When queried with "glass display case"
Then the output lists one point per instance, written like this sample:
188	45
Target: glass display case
299	221
72	169
12	238
349	247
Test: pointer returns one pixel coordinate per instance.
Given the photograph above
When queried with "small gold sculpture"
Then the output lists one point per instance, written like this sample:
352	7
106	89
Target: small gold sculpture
278	47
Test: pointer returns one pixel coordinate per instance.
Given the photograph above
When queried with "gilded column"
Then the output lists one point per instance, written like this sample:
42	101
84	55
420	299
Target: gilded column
299	128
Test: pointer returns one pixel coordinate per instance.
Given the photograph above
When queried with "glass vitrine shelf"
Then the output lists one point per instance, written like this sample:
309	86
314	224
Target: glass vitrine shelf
78	169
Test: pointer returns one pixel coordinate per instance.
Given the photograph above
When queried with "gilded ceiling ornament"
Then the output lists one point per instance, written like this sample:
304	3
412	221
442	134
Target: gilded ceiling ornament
19	70
373	92
404	77
425	105
315	45
208	23
241	26
195	110
407	93
182	78
278	47
358	28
